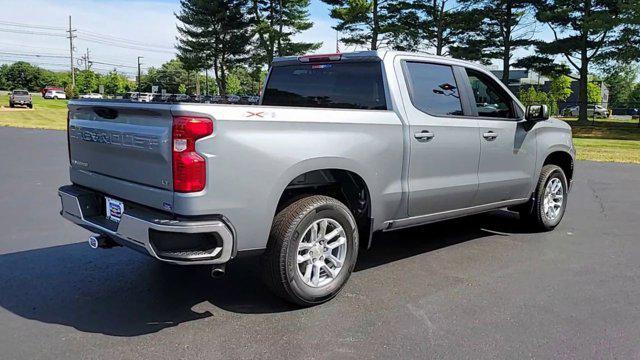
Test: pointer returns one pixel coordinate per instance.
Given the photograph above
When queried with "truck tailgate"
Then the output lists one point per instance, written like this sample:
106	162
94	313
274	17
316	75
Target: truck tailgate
126	142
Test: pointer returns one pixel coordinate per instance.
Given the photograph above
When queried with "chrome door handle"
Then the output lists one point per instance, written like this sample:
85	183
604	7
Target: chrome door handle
424	135
490	135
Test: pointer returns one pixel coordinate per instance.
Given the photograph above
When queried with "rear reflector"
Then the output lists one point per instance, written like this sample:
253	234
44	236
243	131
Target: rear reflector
189	167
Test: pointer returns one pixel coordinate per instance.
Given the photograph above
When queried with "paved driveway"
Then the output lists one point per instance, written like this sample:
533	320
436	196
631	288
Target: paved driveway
473	288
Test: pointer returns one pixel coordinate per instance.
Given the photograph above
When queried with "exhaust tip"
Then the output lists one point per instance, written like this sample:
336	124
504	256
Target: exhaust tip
218	271
94	241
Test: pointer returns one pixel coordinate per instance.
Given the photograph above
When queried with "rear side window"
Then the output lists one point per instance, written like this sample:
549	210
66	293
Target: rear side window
433	88
337	85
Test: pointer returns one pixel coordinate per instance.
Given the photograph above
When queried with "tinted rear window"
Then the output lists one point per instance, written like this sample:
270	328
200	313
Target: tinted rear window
20	93
338	85
433	89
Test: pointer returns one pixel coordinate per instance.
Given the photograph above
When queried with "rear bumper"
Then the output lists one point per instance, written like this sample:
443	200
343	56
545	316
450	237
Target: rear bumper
153	232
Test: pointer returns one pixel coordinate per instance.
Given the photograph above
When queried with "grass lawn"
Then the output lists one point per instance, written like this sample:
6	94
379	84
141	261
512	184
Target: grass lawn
608	140
46	114
616	140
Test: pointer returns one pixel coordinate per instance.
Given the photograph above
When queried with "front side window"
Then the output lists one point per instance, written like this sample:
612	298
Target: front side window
491	99
433	89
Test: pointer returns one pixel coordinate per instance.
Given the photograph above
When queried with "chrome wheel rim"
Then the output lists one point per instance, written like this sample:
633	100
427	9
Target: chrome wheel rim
322	250
553	199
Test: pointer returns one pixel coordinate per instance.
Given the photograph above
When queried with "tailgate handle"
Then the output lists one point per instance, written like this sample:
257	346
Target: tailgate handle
106	113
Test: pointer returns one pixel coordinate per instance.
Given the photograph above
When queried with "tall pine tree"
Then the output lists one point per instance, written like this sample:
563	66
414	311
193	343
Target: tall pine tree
436	26
213	33
507	25
275	23
589	30
363	23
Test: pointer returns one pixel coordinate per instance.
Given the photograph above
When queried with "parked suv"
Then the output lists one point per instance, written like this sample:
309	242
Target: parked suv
340	146
20	97
55	94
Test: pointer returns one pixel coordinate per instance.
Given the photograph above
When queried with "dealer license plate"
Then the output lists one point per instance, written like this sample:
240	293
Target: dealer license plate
115	208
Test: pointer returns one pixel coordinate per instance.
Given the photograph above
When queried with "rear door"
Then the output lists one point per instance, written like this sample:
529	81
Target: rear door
508	148
444	145
128	142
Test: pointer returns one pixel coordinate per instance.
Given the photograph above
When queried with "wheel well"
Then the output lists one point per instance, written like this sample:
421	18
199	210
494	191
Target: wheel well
563	160
344	185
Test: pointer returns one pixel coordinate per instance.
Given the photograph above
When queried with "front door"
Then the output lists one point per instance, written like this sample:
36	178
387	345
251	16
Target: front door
508	149
444	145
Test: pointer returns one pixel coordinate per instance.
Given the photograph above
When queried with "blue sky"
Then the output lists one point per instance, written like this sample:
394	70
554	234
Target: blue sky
148	22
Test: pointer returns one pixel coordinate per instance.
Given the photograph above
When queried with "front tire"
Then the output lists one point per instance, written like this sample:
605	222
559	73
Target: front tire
546	209
312	250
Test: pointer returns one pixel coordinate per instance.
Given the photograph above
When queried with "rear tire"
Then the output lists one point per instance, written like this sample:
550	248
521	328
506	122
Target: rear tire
546	209
303	266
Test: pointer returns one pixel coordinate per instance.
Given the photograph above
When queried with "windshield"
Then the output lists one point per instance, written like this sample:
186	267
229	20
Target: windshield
337	85
20	92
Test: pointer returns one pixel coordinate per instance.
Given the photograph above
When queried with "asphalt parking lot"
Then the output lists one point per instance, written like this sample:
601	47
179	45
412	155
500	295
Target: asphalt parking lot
475	288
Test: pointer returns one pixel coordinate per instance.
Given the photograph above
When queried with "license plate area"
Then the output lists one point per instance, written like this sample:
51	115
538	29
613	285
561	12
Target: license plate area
113	209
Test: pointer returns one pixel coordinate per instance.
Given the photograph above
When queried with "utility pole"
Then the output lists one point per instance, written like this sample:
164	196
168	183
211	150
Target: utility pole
139	75
72	35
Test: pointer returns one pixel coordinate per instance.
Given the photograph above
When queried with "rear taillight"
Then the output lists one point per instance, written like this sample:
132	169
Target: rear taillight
189	167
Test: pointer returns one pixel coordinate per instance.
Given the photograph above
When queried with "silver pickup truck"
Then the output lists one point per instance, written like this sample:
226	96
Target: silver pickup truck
20	98
341	146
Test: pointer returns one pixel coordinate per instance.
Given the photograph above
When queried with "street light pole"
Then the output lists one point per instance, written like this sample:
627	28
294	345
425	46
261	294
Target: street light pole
139	75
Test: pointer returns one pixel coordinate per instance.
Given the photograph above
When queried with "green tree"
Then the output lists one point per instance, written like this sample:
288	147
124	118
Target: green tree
506	27
559	90
621	80
436	25
594	93
87	81
585	31
22	75
531	96
362	22
275	22
213	33
634	97
115	83
169	77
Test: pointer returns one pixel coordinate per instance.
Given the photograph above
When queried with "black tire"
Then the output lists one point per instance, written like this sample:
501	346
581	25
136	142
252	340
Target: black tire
280	267
11	105
533	212
30	106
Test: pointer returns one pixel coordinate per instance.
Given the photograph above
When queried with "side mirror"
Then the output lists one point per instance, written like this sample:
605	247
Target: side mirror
537	113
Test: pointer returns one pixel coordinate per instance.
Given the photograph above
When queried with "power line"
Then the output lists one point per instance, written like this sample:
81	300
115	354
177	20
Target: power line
27	32
122	40
117	65
31	46
22	25
124	46
35	55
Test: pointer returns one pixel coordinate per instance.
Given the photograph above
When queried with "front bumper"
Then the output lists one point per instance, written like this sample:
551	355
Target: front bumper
156	233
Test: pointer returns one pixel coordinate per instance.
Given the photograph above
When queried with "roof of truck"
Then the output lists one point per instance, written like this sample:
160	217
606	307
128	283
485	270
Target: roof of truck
362	56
